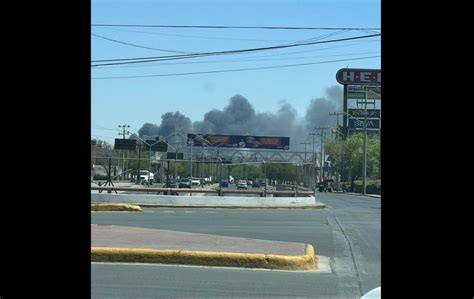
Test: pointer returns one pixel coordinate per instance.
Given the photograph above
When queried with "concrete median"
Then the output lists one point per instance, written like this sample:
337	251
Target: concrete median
208	201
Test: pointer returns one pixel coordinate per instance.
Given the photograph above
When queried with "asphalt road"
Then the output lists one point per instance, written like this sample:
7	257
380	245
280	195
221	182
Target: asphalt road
347	232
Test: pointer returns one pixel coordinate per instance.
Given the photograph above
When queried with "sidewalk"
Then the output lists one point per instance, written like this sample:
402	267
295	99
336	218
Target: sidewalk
112	243
360	194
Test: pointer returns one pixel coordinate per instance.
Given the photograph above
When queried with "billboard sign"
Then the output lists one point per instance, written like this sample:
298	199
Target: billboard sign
239	141
156	146
358	123
177	156
125	144
371	113
359	76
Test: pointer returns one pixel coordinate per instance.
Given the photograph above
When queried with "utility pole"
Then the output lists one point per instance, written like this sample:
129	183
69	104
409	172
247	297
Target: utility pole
313	134
125	132
137	181
321	151
337	120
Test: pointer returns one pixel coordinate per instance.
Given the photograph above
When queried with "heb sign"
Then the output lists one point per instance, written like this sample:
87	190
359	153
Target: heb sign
359	76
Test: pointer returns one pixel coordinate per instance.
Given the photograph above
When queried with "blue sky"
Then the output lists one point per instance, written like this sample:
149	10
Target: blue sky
140	100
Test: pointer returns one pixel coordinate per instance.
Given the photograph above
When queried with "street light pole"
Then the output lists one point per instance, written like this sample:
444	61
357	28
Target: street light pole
322	159
321	172
304	164
313	172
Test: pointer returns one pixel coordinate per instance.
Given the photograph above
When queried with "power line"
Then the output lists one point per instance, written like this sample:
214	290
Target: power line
239	60
233	70
138	46
173	57
237	51
201	37
182	52
233	27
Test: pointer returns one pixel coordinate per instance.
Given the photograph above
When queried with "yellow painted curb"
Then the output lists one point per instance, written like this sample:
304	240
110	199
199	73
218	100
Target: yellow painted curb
208	258
115	207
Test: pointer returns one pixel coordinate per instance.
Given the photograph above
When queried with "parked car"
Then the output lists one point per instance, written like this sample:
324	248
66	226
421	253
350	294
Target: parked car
262	182
170	184
249	183
256	184
326	186
195	182
224	183
184	183
241	184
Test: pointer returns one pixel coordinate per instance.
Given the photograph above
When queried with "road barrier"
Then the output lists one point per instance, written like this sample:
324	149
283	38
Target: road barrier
220	192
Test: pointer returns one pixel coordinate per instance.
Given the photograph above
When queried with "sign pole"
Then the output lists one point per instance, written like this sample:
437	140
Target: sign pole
344	115
365	147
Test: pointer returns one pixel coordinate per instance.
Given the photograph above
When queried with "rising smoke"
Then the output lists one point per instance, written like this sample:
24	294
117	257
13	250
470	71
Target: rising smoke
239	118
170	123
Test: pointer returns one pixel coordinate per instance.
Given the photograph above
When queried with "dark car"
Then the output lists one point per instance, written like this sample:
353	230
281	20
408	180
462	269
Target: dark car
255	184
185	183
326	186
170	184
224	183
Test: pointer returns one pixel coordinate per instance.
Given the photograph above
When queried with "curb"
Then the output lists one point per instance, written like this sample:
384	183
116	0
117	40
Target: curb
146	205
360	194
207	258
318	206
115	207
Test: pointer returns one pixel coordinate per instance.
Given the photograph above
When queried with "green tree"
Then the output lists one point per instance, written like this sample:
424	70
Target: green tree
347	156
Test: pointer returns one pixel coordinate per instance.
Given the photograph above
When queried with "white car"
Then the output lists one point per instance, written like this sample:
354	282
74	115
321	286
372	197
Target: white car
241	184
195	182
373	294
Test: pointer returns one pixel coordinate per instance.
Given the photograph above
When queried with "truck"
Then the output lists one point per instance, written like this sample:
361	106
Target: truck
145	175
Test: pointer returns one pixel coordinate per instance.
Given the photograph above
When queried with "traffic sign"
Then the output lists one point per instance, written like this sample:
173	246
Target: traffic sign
125	144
